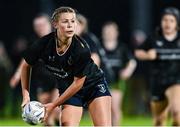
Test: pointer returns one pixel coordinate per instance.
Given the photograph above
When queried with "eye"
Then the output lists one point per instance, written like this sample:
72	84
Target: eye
73	21
65	21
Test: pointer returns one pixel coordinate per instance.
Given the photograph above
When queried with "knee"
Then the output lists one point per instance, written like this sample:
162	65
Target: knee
116	111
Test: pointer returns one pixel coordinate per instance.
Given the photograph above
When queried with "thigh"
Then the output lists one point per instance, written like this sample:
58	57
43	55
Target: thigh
71	115
44	97
117	97
173	95
100	110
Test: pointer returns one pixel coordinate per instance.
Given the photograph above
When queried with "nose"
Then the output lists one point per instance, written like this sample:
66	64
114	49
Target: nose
69	24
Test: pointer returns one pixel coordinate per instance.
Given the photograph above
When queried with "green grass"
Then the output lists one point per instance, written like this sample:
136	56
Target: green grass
84	122
127	121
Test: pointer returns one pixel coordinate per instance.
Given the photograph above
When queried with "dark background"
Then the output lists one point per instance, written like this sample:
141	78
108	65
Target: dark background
16	15
16	18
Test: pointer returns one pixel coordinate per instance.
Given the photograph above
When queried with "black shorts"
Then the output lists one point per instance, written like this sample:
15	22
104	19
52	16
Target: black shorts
86	95
159	86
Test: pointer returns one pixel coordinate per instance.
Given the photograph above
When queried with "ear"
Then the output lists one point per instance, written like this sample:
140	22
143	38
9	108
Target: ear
54	24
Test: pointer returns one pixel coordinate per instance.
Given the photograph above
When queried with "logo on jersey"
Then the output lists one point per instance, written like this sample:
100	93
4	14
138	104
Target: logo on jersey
62	73
159	43
102	88
58	72
51	58
70	61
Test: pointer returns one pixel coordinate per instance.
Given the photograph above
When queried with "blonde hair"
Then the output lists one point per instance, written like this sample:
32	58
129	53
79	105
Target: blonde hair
60	10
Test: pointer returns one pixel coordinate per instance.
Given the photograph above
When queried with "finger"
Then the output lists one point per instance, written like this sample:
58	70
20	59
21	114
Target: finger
45	118
22	105
44	105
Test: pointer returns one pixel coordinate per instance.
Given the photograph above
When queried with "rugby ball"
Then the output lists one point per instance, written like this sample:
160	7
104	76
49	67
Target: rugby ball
33	112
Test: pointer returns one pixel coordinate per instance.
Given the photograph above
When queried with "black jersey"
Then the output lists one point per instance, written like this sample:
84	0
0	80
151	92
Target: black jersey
75	62
167	65
92	41
114	61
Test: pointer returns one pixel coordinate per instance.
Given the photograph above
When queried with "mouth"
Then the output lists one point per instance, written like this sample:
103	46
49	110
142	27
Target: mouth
70	31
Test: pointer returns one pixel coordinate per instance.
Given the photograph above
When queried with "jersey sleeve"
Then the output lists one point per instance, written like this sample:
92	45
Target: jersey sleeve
89	41
93	41
92	46
32	53
82	59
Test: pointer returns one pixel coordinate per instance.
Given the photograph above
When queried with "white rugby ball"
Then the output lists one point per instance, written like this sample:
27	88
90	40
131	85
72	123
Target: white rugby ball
33	112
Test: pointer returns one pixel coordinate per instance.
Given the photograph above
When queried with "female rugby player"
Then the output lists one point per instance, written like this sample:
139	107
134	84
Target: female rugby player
162	49
80	81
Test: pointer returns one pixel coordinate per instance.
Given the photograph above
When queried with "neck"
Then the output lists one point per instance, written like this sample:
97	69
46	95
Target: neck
110	45
63	40
170	36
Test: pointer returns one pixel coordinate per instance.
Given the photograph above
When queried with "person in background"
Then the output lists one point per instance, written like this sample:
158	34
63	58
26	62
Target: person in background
140	98
93	42
43	84
18	46
119	65
5	70
162	51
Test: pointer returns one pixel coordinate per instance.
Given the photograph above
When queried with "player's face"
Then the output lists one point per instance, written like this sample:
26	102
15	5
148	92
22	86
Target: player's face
110	33
169	24
42	26
66	24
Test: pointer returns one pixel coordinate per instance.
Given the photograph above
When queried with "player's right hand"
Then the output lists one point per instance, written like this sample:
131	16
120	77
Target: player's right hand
152	54
25	101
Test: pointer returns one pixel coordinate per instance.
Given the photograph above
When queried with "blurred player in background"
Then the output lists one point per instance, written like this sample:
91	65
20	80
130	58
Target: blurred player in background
67	57
93	42
5	70
118	65
43	84
163	50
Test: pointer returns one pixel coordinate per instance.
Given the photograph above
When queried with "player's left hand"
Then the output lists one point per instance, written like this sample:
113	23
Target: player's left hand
125	74
48	109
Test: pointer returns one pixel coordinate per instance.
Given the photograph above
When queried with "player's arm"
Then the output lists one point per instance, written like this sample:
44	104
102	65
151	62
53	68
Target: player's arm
95	57
17	75
141	54
25	80
70	91
128	70
146	50
31	56
76	85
